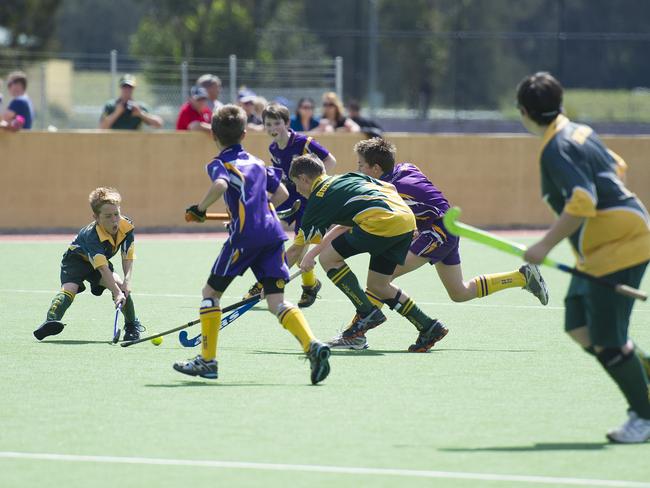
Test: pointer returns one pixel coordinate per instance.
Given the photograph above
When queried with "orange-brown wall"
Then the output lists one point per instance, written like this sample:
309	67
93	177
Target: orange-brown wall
45	178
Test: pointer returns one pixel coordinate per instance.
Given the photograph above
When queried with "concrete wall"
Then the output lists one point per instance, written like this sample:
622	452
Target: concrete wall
45	178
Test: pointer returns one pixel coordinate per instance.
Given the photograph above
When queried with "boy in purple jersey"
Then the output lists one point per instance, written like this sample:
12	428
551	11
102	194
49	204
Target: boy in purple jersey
432	243
256	241
286	145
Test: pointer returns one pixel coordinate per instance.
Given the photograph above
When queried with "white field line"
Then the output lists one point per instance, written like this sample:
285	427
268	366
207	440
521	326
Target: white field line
310	468
480	304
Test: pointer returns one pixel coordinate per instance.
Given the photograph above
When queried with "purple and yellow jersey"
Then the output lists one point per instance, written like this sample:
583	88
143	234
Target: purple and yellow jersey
580	176
427	202
297	145
95	245
253	221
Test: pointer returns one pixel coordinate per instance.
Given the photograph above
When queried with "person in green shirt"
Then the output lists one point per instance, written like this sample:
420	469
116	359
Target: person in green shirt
125	113
609	231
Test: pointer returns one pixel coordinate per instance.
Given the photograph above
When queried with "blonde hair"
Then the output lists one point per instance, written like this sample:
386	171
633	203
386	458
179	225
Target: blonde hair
332	97
102	195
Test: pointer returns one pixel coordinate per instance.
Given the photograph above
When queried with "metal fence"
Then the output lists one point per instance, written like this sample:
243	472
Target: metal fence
69	90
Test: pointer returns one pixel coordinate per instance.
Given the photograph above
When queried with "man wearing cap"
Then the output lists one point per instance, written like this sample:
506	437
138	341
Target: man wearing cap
212	85
247	100
125	113
195	114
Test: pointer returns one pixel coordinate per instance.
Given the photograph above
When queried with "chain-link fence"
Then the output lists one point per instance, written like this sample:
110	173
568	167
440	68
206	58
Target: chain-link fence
69	90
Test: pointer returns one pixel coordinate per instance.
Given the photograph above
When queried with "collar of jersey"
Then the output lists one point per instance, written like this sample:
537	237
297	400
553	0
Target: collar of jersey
235	149
554	127
318	181
123	228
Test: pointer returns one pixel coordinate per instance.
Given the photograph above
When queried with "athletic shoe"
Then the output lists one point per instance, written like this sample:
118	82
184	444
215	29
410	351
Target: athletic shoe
254	291
309	295
634	431
360	325
198	367
132	330
340	342
428	336
318	355
48	328
535	284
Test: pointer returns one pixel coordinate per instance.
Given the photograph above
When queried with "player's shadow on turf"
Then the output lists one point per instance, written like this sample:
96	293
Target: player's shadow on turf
476	349
185	384
72	342
552	446
339	352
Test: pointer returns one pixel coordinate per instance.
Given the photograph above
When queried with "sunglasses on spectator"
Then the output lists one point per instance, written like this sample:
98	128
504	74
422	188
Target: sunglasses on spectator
328	104
307	107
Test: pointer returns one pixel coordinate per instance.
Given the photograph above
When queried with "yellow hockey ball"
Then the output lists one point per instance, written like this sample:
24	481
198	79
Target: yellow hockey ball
156	341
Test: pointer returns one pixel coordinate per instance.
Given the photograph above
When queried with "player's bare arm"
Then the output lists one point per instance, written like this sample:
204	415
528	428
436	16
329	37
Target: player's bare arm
216	191
108	281
563	227
127	267
280	196
309	260
329	162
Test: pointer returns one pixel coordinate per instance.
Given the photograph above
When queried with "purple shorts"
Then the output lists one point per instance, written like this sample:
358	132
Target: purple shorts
265	262
437	245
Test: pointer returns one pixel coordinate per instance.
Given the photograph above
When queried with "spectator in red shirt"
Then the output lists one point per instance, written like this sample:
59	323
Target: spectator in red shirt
195	113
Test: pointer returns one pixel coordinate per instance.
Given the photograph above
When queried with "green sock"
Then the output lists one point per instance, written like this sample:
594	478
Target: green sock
59	305
413	313
631	379
644	358
128	309
347	282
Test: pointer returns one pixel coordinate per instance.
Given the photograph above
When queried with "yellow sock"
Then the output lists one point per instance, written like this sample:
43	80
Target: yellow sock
487	284
309	278
210	323
374	299
295	322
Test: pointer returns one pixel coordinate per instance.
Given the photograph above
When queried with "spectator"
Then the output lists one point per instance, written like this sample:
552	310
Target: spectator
368	126
247	100
195	113
212	85
260	104
20	111
304	120
125	113
333	119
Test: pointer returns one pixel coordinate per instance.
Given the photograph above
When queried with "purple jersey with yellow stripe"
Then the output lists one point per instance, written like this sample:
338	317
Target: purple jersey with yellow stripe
297	145
253	221
425	200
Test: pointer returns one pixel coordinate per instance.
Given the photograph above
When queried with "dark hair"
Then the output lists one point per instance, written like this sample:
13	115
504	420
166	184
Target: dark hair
303	100
307	164
354	105
17	77
229	125
541	96
276	111
377	151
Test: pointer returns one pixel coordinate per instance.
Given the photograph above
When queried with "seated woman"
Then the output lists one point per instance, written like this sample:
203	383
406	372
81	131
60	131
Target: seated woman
333	119
304	120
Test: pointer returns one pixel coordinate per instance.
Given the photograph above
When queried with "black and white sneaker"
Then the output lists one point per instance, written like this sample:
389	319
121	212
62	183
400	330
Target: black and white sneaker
48	328
132	331
318	355
535	283
198	367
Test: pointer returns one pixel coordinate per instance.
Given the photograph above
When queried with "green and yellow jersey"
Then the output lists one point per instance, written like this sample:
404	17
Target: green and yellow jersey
580	176
96	246
353	199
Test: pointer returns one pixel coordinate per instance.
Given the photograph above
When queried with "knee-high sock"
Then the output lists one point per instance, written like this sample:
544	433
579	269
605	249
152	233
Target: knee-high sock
627	372
309	278
295	322
413	314
491	283
210	323
374	299
346	281
645	360
129	310
60	304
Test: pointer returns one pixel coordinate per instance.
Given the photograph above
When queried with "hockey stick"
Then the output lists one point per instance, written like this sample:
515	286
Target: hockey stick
282	214
116	330
196	340
483	237
234	306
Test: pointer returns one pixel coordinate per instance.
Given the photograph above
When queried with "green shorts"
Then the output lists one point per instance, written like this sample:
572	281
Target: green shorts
385	252
74	269
605	312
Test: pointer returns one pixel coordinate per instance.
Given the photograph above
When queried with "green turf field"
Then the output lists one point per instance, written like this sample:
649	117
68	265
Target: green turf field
505	400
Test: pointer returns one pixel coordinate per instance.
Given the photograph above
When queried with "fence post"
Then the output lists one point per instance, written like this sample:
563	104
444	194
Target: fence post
373	36
233	78
44	108
113	89
184	83
338	67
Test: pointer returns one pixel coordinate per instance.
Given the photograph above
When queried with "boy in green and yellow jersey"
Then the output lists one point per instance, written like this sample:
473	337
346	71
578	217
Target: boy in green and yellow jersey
609	231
